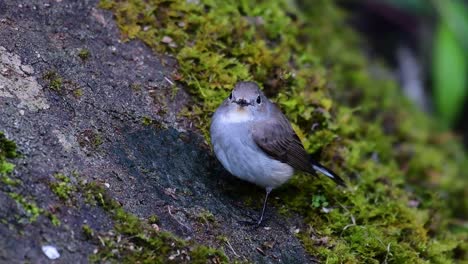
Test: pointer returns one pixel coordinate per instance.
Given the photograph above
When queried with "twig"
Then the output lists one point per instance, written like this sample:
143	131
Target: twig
353	220
388	253
169	81
230	247
180	223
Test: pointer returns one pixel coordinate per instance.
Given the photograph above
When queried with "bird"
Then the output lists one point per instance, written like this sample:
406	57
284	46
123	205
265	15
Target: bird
255	141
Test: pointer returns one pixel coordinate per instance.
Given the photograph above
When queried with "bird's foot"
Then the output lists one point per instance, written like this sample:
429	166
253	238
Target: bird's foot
250	216
254	223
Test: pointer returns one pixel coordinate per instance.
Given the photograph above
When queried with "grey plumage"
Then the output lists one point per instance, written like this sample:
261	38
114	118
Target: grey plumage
254	140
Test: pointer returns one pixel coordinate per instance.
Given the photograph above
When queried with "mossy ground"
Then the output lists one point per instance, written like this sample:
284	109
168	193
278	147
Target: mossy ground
55	81
406	179
136	241
7	151
62	186
9	185
84	54
30	211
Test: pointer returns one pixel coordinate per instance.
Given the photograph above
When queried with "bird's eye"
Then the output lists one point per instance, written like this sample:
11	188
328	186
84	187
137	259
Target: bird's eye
259	100
230	96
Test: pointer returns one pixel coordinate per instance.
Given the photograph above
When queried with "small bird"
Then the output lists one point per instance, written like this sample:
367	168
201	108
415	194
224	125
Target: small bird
254	141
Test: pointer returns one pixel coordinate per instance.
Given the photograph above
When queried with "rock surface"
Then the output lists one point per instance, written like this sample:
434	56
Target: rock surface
78	101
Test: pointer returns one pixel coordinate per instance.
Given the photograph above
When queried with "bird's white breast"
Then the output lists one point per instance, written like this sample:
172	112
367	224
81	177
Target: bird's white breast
239	154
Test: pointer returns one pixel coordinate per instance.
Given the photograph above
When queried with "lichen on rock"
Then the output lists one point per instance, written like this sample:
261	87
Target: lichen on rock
17	80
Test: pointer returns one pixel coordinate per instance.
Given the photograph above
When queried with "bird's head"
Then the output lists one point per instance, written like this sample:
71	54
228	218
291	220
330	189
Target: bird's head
246	102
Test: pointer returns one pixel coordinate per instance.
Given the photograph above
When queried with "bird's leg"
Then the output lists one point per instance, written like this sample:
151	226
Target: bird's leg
268	190
258	222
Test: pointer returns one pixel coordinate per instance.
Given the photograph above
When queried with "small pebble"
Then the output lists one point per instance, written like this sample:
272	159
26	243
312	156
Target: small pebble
51	252
166	39
155	227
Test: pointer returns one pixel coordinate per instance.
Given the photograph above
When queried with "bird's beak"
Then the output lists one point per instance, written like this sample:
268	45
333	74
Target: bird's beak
242	102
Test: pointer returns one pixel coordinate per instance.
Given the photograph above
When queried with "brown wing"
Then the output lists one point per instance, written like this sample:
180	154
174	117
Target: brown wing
277	138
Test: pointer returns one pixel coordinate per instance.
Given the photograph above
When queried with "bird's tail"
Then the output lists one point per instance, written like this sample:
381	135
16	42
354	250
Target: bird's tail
329	173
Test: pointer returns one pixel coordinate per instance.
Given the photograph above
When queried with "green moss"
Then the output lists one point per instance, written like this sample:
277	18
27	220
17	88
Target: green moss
319	201
146	121
7	148
135	241
84	54
7	180
62	186
136	87
206	217
97	141
201	254
78	92
407	186
153	219
54	219
8	151
87	231
90	139
29	206
55	81
174	91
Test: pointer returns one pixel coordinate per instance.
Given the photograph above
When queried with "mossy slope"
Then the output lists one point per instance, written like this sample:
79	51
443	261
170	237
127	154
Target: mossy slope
407	186
135	241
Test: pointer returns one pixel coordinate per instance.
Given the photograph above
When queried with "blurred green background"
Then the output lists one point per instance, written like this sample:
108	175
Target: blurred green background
427	44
